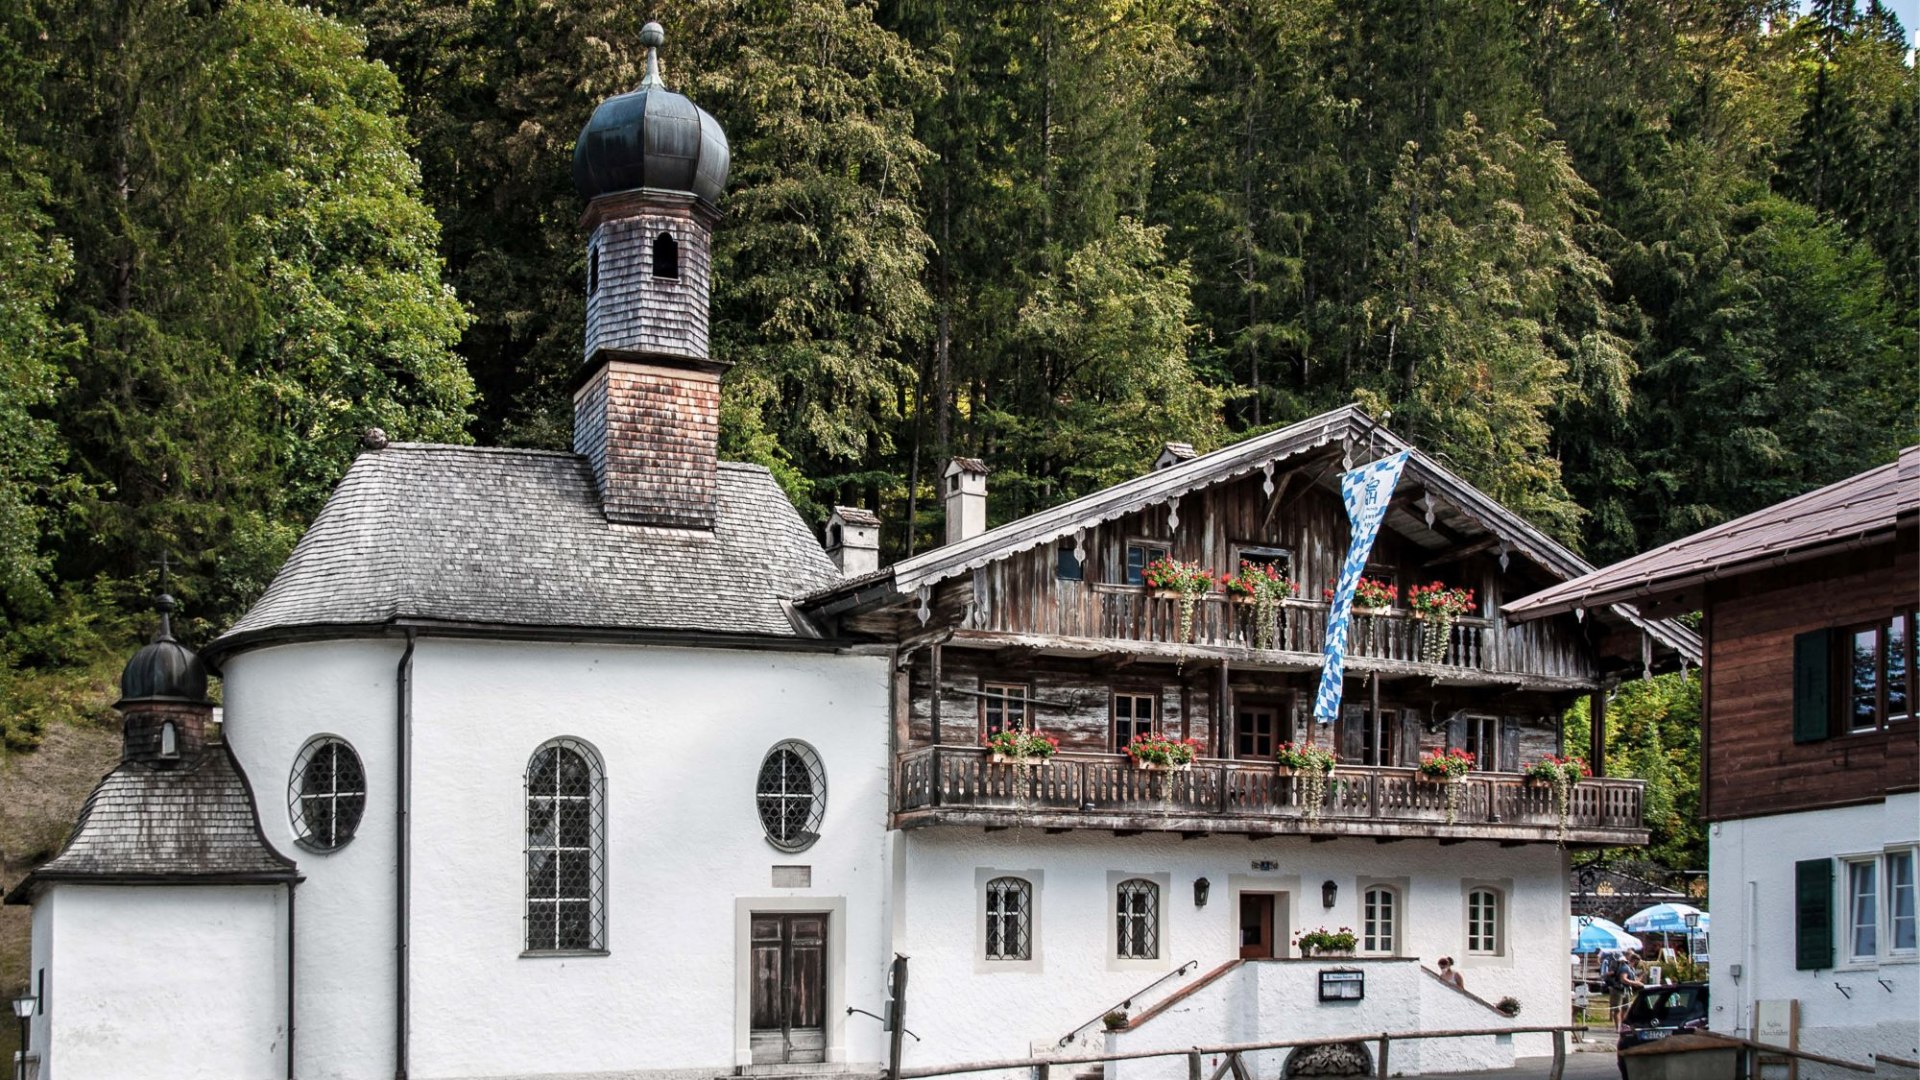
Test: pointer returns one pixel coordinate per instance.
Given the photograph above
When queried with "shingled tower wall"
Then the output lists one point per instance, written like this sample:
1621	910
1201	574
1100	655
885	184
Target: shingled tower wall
647	404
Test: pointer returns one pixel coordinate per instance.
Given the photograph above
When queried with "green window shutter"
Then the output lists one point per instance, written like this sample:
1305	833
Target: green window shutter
1813	914
1812	677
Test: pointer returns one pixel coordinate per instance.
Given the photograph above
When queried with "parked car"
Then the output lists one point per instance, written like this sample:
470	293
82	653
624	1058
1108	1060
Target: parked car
1660	1011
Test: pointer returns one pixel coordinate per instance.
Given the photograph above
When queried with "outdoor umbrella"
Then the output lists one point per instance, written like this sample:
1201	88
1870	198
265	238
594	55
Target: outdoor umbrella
1665	919
1600	935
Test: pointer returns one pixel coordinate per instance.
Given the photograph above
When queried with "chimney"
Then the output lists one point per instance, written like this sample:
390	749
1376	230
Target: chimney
646	407
1173	454
966	498
853	540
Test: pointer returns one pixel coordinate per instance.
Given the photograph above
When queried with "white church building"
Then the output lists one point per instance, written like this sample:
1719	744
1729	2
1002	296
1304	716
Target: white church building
601	764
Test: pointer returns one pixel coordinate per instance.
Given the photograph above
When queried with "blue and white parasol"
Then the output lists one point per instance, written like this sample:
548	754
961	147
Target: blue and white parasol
1666	919
1594	934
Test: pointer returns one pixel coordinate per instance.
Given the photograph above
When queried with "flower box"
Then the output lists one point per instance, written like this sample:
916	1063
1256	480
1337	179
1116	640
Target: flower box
1283	770
1372	612
1164	594
1016	759
1162	766
1324	951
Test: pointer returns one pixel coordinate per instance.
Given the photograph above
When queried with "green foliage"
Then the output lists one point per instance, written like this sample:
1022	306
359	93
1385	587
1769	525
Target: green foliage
1653	734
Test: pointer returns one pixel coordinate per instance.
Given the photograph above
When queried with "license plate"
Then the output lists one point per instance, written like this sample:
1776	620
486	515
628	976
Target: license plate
1650	1034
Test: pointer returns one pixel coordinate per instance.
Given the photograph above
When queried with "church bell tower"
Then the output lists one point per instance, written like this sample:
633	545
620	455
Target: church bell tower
652	166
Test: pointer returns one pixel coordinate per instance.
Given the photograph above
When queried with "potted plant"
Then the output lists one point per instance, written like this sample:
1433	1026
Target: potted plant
1437	606
1264	586
1373	597
1560	774
1444	767
1155	752
1020	747
1325	942
1171	578
1508	1006
1314	766
1115	1020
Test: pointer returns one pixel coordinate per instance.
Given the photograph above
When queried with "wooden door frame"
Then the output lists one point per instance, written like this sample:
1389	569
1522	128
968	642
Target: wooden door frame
1286	915
835	959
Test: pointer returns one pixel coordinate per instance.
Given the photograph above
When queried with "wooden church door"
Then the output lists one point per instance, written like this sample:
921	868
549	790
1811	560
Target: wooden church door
789	988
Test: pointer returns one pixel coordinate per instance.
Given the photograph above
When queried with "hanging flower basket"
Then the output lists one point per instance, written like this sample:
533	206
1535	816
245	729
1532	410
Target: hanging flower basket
1154	752
1020	747
1265	587
1438	607
1314	766
1559	774
1186	582
1446	768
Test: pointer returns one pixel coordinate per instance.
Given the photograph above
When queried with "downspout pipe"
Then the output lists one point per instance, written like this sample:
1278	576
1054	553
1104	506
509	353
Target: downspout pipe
290	997
402	852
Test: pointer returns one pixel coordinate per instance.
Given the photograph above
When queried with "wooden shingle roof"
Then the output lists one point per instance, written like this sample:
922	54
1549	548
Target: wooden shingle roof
191	824
517	538
1857	511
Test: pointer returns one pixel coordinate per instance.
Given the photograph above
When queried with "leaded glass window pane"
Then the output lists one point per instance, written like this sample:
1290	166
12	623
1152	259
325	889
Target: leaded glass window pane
1009	919
791	795
566	851
327	794
1137	919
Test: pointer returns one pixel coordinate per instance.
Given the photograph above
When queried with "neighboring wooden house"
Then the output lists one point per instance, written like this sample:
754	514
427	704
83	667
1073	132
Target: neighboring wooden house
1810	750
1045	622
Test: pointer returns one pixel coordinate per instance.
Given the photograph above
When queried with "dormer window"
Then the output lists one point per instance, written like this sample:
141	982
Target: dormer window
169	741
666	257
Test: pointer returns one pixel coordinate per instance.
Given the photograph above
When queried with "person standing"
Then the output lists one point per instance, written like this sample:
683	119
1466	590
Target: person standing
1450	975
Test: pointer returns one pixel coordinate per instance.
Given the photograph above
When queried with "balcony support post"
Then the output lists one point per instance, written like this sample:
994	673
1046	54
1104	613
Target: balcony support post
1597	731
937	690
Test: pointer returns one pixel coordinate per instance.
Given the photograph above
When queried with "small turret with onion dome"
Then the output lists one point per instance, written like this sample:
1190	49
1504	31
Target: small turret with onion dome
163	698
652	166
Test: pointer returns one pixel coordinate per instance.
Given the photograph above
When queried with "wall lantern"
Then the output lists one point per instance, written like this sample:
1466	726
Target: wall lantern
1328	891
1200	888
23	1008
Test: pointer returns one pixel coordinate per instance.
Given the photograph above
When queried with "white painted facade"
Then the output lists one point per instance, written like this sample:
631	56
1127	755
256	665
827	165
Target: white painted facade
965	1007
123	1003
1856	1008
681	733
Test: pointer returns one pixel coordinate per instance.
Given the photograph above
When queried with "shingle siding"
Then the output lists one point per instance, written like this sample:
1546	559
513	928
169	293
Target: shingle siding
635	311
661	444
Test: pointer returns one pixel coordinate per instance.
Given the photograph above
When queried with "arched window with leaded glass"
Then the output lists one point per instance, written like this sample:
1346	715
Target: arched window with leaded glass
1137	915
566	849
1009	919
791	795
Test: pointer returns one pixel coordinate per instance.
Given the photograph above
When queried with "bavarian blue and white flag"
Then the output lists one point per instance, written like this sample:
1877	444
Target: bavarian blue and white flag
1367	490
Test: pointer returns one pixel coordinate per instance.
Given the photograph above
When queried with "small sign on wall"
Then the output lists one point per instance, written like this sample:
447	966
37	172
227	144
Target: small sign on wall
1343	985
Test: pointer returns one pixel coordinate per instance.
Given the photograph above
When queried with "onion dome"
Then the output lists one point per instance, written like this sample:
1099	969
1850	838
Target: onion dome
164	669
651	137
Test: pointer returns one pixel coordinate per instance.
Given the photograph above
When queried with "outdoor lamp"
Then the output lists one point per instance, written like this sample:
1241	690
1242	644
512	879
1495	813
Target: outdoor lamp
1328	890
23	1005
1200	887
23	1008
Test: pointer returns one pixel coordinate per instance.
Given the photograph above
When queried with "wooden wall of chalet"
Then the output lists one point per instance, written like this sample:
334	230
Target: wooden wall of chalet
1753	767
1072	700
1023	594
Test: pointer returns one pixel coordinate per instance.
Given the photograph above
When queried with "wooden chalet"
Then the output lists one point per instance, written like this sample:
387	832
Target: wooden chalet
1045	621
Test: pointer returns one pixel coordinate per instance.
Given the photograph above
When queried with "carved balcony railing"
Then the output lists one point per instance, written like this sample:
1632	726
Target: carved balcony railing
1475	646
961	785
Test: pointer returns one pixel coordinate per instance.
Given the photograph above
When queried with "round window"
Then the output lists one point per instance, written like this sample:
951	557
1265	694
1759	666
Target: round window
792	795
326	794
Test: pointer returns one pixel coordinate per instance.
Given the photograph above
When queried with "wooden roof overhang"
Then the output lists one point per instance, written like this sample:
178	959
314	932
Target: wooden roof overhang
1439	511
1859	512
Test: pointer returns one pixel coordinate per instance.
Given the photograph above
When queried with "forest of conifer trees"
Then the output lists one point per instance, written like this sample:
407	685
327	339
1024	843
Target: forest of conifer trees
1633	266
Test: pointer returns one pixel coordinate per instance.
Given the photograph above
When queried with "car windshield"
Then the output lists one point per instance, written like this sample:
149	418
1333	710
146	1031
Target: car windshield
1668	1006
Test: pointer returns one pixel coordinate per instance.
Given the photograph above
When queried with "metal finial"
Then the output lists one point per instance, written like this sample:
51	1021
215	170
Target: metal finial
653	35
164	605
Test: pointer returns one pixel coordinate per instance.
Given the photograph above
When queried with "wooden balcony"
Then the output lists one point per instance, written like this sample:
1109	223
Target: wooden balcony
957	785
1541	654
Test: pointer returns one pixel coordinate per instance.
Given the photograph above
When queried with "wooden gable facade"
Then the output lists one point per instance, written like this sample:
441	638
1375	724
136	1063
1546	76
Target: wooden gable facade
1057	633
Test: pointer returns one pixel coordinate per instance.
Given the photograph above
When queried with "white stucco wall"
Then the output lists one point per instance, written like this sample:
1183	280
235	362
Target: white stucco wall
682	733
1259	1000
164	981
966	1010
275	700
1752	898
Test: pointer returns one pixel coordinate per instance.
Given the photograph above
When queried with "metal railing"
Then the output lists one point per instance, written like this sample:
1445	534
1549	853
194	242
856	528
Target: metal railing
1127	1002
